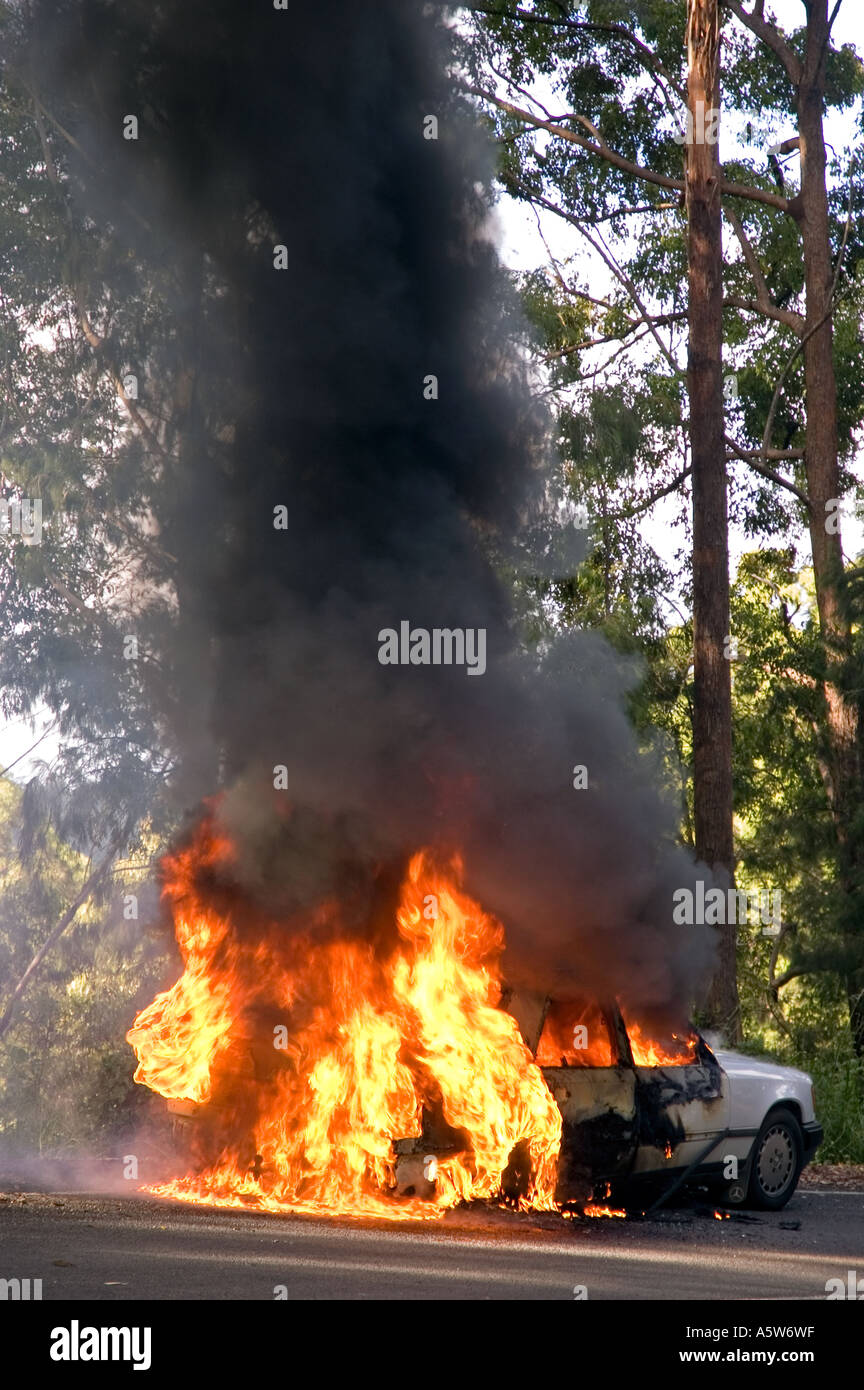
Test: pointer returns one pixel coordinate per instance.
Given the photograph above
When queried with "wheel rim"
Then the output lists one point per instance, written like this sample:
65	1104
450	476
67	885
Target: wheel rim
776	1163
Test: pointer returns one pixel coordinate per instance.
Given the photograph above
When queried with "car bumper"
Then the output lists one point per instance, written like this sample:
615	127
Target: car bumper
813	1136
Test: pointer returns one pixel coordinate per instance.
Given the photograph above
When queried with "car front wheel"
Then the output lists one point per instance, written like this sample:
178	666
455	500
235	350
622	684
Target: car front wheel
778	1155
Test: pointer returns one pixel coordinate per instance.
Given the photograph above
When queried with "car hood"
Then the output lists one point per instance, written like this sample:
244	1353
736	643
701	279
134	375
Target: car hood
737	1064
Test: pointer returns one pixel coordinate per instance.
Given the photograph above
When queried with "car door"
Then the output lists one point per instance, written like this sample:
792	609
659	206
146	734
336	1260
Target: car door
683	1101
582	1050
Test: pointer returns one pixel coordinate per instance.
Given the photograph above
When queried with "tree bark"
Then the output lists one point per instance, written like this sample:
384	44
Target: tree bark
712	695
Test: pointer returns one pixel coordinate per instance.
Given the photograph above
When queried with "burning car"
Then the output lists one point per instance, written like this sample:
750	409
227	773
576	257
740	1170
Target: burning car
388	1070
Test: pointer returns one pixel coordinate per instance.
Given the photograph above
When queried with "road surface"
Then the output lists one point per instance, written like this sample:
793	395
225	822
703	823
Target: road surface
84	1246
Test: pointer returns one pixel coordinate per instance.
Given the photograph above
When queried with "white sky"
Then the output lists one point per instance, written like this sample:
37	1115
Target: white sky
522	248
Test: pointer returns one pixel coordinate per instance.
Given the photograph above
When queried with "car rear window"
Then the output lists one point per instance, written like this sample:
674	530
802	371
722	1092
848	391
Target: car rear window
575	1034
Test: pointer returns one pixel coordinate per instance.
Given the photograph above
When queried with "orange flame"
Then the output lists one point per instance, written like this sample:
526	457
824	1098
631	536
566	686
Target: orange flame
674	1051
309	1053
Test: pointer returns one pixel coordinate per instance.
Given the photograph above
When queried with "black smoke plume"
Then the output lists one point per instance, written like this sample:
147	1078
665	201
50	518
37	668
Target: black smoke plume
303	388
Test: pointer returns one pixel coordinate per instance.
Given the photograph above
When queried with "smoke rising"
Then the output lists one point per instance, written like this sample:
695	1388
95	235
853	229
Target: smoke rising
307	388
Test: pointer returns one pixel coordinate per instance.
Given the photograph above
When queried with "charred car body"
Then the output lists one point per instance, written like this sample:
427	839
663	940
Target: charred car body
640	1121
641	1117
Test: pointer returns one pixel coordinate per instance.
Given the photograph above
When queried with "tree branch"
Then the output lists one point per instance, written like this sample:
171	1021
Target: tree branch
757	195
87	889
764	303
756	460
649	502
771	453
77	603
79	149
99	345
793	142
632	325
602	149
630	286
834	14
648	59
627	212
789	317
599	147
770	35
620	275
778	981
28	751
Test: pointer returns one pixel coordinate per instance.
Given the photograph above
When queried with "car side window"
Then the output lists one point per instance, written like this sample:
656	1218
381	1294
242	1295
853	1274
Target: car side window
575	1034
662	1045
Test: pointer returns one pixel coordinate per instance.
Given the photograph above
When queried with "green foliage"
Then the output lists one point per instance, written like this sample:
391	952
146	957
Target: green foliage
839	1091
65	1068
825	1053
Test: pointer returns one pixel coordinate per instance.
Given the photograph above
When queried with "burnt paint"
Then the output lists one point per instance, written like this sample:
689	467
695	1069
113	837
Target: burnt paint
660	1089
594	1150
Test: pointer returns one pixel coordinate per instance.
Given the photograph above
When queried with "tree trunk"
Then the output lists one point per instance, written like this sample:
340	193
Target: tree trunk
821	461
712	695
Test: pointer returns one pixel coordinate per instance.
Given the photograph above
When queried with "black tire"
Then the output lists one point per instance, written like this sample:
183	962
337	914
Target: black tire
778	1157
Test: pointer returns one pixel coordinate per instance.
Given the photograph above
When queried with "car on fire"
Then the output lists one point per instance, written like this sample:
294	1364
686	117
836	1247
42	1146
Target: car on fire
642	1118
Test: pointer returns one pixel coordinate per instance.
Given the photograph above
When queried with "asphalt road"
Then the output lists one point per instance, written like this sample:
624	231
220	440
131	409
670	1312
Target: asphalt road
90	1247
